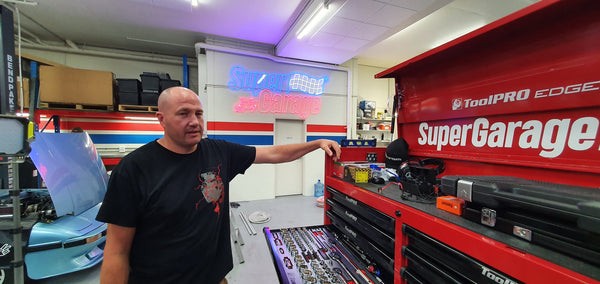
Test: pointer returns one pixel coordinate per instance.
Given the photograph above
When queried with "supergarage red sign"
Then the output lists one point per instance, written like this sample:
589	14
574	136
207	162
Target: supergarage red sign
546	135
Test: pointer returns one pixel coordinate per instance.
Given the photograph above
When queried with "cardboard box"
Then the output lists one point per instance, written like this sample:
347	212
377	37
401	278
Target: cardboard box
76	86
25	93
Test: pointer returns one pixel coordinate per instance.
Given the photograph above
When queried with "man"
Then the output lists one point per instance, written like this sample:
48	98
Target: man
167	204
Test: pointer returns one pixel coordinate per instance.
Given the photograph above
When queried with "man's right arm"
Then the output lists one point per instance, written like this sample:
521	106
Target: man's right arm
115	266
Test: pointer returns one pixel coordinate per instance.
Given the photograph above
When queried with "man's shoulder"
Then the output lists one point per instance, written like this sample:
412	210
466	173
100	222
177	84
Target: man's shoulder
223	144
142	152
214	142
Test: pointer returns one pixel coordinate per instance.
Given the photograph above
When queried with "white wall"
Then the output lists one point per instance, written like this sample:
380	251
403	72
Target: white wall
209	79
121	67
259	180
371	89
366	87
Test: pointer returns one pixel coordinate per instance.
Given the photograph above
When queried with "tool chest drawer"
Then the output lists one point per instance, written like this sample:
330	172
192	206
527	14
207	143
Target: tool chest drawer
380	238
357	239
381	221
431	261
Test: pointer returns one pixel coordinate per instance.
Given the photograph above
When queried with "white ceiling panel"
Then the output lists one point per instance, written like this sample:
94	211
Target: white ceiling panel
341	26
360	10
350	44
368	32
416	5
325	39
375	32
391	16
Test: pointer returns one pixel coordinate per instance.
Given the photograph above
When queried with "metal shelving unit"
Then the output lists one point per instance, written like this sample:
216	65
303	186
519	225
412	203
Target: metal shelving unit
383	136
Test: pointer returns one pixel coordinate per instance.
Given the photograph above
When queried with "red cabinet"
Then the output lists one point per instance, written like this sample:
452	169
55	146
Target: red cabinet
515	258
519	97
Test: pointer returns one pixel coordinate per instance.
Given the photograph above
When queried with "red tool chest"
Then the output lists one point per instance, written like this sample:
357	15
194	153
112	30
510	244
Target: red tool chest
519	97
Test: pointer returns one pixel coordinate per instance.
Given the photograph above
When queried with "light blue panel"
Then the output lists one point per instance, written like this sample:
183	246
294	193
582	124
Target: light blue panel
72	169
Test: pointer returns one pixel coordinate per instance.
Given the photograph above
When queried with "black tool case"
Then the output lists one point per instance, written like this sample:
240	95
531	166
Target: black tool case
560	217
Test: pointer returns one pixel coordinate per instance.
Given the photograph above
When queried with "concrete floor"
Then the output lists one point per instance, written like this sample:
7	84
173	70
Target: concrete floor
288	211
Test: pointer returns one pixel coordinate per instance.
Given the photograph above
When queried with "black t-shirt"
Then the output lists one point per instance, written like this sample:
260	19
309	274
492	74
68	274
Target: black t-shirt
179	205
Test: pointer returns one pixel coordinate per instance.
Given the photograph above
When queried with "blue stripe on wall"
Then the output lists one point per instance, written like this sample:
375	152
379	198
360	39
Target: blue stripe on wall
241	139
334	138
123	138
245	139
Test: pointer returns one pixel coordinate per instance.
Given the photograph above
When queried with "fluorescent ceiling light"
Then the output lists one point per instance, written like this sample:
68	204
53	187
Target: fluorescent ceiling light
317	18
320	17
194	3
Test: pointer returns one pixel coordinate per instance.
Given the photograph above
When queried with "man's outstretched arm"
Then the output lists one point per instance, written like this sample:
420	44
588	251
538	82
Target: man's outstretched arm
290	152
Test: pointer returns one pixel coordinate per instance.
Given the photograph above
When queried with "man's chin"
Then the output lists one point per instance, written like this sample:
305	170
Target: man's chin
194	137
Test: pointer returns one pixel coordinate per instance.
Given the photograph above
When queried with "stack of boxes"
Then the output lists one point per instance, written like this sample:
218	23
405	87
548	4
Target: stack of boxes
65	85
129	91
150	89
153	84
146	91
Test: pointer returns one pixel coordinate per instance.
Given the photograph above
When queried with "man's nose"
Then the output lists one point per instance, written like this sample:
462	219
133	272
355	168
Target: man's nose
196	120
193	121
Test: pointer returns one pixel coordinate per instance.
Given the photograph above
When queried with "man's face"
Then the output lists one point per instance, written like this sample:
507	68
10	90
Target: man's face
183	121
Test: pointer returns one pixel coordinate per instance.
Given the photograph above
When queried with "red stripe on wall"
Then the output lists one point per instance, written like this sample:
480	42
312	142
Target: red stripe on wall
129	126
92	114
325	128
239	126
101	125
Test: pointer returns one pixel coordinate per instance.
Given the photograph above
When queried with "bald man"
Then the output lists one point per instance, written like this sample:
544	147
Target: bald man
167	203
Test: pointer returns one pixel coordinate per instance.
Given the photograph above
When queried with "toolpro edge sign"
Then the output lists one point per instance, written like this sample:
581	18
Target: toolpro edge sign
557	119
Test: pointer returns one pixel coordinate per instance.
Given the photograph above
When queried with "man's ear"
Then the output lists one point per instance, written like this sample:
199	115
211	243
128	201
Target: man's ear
160	116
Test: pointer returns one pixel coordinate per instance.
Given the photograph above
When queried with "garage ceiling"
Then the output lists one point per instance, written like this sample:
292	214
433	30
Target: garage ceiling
379	33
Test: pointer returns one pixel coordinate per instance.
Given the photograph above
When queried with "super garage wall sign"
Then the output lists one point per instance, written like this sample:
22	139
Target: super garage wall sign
277	93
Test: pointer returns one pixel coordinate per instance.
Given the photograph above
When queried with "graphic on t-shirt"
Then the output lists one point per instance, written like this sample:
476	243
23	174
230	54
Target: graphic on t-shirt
212	188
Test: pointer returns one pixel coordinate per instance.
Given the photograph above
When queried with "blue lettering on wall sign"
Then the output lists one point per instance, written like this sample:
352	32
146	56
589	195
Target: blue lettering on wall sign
241	79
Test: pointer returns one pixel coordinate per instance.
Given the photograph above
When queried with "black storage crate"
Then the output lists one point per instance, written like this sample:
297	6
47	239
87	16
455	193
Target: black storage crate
165	84
128	98
129	85
149	99
150	83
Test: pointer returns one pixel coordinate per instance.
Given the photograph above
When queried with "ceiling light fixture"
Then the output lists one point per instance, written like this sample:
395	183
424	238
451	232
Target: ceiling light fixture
194	3
320	17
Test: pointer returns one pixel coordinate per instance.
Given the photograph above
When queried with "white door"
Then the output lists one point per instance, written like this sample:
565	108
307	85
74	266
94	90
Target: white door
288	176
